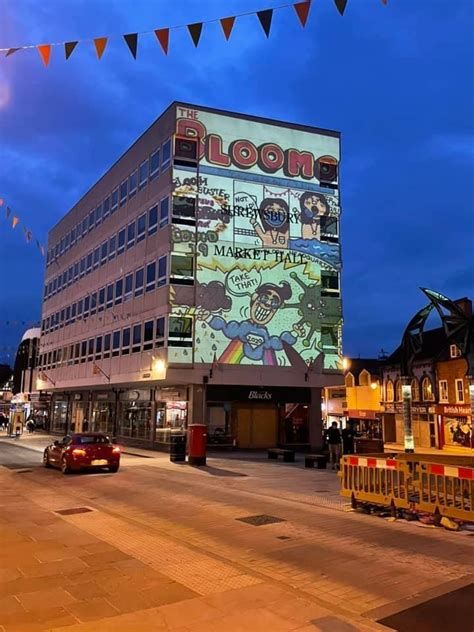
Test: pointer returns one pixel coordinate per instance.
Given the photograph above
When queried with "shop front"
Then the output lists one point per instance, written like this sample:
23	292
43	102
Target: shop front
455	426
423	423
258	417
60	414
367	425
171	415
134	419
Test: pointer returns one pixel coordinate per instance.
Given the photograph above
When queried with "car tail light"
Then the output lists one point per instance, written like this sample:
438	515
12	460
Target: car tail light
116	450
79	452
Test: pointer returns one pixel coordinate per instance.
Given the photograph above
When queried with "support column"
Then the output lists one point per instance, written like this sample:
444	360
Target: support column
316	421
197	404
407	421
470	379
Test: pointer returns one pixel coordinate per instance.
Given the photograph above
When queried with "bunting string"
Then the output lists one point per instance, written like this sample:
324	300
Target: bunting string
162	35
14	220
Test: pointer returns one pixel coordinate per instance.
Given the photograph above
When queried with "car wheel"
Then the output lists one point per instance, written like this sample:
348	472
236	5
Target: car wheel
65	469
113	469
46	462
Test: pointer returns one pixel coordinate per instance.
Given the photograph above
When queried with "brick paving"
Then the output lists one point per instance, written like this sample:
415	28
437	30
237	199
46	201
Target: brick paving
163	549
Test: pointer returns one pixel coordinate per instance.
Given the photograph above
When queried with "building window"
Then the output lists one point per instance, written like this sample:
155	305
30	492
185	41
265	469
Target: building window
329	284
180	331
82	267
141	227
98	347
152	220
93	303
184	207
459	391
87	302
118	291
350	380
110	295
415	390
443	391
101	300
90	349
115	344
364	378
131	235
162	271
151	276
91	221
148	335
84	226
137	338
76	271
427	389
154	164
132	183
160	332
121	241
389	394
106	208
164	211
89	263
329	337
454	351
166	155
103	253
112	246
128	287
143	175
83	351
139	277
126	341
73	312
98	214
398	391
182	269
123	192
107	346
115	201
96	258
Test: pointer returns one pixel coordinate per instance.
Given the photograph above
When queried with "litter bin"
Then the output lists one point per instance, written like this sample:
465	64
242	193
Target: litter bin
197	441
177	448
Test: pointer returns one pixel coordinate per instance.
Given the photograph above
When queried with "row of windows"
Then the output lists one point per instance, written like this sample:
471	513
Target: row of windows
136	181
132	285
127	237
135	338
458	388
394	392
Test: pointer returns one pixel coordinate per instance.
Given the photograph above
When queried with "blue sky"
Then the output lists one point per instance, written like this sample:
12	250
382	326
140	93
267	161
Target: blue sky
397	81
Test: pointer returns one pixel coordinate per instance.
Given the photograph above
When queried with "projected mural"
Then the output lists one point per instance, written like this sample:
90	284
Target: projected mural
265	245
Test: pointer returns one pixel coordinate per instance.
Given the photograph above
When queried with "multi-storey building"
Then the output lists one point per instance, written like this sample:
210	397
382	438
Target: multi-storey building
199	280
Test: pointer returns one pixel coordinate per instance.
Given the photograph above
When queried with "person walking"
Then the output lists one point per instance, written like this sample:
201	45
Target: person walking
348	436
333	438
85	425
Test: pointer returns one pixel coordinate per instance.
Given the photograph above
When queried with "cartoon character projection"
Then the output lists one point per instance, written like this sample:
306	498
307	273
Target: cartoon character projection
313	206
274	217
308	308
250	338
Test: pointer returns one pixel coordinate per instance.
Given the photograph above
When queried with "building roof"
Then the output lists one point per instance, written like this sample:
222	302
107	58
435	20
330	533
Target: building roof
372	365
34	332
434	341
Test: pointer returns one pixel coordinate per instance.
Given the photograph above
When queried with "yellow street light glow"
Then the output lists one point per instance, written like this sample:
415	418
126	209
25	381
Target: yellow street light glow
373	386
158	366
346	363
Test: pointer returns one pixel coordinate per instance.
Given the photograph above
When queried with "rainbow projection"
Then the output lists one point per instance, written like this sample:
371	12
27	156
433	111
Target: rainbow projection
262	233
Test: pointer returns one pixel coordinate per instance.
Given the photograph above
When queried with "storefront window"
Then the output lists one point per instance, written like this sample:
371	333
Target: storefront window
102	419
59	419
135	420
294	423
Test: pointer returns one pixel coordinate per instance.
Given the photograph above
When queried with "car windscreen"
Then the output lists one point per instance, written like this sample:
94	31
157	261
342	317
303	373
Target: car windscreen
89	440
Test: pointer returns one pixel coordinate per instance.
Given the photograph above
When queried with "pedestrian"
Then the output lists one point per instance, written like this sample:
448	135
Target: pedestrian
333	437
85	426
348	436
30	425
3	421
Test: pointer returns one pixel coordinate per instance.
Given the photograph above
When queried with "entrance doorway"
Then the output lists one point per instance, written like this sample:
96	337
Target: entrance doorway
255	426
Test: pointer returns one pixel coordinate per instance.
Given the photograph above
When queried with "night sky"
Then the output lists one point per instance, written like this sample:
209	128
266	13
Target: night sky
397	81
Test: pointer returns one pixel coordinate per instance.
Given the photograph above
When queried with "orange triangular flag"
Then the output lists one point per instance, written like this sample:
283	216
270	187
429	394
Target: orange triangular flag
15	221
227	26
302	10
100	43
163	36
45	52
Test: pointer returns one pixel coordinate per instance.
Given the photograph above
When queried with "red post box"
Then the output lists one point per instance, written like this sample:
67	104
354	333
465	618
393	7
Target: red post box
197	440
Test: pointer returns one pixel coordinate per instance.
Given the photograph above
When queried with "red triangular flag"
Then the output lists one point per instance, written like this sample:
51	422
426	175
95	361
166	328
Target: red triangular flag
68	48
100	43
10	51
45	52
385	2
132	43
265	18
341	5
227	26
302	10
163	36
195	32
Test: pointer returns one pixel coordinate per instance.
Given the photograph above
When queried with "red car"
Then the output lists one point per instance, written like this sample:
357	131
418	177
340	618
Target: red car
83	451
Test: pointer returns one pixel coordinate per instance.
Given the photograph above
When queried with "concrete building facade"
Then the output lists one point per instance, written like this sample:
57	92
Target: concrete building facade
199	280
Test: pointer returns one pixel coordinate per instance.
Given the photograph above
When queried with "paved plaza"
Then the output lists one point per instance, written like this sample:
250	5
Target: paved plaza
241	545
